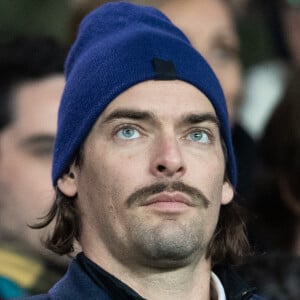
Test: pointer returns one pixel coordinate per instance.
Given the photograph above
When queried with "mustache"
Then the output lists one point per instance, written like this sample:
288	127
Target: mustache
195	194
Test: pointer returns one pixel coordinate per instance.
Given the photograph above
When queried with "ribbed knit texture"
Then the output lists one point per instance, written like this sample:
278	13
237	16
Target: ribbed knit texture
113	51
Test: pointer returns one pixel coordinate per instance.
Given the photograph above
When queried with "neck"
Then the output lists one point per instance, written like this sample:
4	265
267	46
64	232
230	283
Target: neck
191	281
177	284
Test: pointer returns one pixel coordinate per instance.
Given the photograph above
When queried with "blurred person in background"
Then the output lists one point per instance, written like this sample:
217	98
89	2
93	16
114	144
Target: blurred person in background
210	26
31	86
277	196
265	82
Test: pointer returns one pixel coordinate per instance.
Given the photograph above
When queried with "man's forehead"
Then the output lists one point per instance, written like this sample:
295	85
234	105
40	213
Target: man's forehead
173	96
35	106
38	94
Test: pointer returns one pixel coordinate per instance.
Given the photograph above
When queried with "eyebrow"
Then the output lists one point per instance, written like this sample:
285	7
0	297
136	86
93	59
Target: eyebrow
188	119
37	139
200	118
129	114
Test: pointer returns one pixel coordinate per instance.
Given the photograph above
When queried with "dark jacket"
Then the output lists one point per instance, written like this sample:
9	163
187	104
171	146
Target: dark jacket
85	280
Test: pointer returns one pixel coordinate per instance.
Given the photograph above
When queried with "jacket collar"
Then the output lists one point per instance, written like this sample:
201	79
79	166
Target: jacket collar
235	287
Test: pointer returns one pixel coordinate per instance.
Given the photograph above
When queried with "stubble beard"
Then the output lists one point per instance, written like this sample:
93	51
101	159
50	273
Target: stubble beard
171	243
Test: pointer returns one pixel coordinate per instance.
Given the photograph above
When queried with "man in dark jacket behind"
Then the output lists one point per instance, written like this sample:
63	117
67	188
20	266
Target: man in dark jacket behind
143	168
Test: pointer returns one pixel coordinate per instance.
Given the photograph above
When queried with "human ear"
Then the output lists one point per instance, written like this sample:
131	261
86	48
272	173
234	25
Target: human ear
227	193
68	182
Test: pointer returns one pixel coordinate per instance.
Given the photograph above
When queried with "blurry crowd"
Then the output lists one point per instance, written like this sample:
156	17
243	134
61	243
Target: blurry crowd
254	49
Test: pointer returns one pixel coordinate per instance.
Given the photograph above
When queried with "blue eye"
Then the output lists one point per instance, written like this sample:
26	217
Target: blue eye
198	136
128	133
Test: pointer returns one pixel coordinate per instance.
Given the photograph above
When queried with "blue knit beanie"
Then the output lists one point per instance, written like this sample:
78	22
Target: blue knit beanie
119	45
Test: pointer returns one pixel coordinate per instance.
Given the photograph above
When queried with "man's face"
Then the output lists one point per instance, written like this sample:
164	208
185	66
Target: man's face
25	158
152	177
208	25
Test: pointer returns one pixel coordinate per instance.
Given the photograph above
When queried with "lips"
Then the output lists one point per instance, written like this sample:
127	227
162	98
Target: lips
168	197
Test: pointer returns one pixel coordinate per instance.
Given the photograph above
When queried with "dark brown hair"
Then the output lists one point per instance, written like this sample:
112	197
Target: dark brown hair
24	59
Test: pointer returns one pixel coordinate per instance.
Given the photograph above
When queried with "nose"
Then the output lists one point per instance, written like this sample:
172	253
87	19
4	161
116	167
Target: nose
167	159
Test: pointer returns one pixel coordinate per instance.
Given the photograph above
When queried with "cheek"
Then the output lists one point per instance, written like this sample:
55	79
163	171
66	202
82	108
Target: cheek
102	193
236	78
230	79
27	184
231	83
25	199
215	186
103	184
208	174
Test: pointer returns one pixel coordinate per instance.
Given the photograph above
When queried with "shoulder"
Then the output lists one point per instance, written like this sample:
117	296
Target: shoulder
76	285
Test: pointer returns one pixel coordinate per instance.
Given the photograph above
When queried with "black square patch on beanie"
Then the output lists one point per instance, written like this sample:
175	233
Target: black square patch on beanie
164	69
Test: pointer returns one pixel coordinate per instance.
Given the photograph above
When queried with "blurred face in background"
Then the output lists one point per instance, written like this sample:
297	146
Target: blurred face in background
25	159
209	26
290	15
